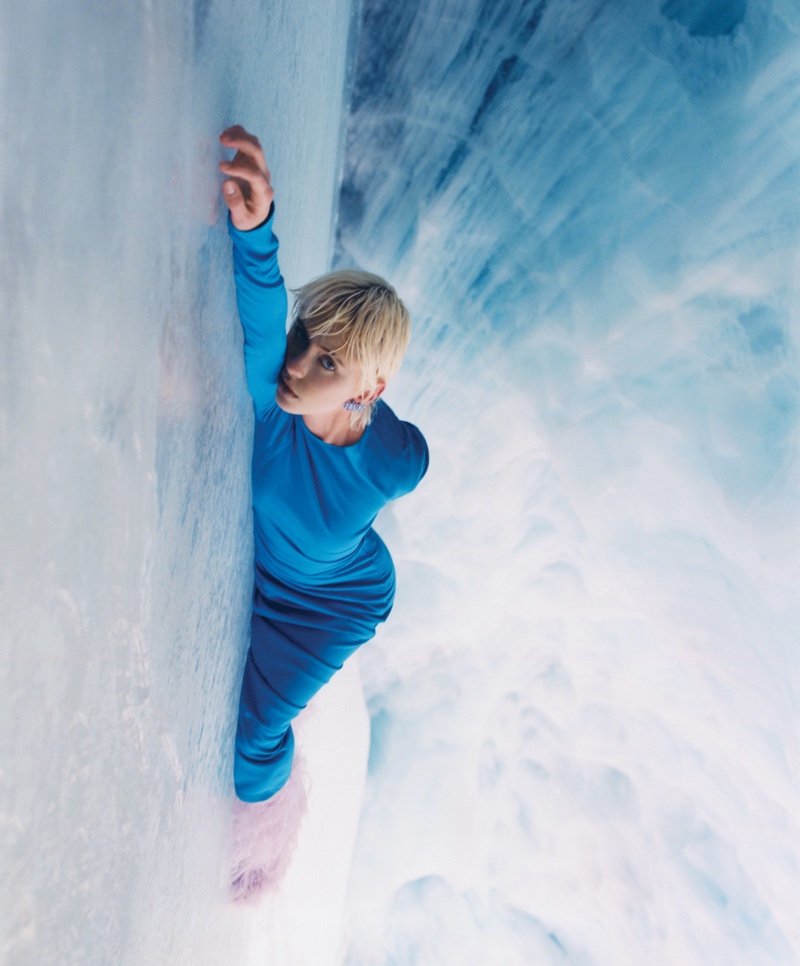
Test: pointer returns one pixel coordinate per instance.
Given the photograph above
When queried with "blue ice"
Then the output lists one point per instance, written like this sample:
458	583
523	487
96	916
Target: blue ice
584	707
593	211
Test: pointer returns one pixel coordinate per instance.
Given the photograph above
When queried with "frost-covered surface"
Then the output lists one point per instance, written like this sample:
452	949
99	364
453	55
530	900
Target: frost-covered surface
125	555
585	707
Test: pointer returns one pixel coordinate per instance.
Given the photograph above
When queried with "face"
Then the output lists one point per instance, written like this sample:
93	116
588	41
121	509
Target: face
316	377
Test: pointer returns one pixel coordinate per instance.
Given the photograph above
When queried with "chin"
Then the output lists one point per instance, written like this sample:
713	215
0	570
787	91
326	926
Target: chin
285	404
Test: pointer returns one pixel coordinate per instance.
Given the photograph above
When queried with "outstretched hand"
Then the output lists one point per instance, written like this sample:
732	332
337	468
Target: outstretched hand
248	191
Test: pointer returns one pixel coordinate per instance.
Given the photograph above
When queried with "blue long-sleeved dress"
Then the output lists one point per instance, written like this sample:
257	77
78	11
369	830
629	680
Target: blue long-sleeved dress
323	578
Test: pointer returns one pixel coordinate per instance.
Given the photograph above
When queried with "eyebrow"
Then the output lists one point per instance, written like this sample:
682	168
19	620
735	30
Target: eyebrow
331	352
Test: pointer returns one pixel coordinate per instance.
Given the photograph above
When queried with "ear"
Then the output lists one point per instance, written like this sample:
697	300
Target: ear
372	395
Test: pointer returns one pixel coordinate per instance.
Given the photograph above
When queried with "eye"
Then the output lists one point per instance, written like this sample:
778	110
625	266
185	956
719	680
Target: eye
299	334
327	363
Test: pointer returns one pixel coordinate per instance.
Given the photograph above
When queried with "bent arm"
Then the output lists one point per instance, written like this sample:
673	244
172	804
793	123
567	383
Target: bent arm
261	297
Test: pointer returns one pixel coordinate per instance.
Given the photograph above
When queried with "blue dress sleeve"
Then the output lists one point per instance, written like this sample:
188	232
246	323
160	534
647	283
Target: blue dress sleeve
262	302
410	459
418	459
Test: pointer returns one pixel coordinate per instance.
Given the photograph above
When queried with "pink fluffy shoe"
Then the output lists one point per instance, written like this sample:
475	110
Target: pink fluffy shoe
264	836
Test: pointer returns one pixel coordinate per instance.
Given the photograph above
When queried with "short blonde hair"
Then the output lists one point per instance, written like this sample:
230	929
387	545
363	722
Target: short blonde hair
367	313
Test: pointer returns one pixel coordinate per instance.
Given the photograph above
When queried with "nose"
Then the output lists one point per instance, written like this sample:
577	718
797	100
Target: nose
295	362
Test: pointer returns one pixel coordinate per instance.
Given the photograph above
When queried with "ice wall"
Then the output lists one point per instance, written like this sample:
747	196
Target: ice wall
584	708
125	557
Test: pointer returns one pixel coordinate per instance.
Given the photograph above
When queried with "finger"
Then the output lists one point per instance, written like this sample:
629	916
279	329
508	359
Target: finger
236	130
232	194
254	187
242	167
242	162
240	140
252	181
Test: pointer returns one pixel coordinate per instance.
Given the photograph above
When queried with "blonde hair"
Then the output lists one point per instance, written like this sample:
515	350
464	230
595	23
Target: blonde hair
367	313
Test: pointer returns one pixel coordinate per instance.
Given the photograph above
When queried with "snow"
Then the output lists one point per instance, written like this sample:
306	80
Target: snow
575	740
584	742
125	428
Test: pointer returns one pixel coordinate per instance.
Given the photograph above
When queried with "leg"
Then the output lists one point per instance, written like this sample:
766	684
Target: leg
264	740
286	665
288	662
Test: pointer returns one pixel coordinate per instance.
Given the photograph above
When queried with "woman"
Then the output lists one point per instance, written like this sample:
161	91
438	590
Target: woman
328	454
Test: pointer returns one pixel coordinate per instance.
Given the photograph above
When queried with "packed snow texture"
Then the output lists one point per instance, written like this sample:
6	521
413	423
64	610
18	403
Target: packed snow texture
125	429
584	710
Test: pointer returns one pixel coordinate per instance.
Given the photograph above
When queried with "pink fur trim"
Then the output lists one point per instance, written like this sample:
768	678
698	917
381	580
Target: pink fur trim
264	836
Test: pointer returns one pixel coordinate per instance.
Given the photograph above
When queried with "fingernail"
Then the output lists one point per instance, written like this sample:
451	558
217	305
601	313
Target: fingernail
229	188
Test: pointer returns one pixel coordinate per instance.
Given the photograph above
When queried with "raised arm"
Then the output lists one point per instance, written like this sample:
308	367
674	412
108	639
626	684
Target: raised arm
260	292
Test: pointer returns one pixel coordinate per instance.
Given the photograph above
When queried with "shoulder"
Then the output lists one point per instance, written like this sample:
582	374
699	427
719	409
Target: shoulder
399	450
403	437
273	428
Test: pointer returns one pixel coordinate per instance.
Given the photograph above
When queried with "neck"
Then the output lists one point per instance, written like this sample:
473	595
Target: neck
333	428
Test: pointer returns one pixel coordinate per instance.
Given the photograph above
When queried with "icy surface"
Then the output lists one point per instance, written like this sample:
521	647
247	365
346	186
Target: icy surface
584	710
125	555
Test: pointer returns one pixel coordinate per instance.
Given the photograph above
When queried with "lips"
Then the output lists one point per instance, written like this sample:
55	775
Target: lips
285	388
